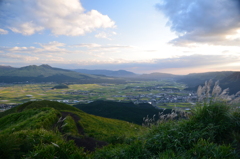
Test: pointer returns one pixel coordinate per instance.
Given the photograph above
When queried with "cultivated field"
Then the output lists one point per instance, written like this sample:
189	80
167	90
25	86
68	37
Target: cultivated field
21	93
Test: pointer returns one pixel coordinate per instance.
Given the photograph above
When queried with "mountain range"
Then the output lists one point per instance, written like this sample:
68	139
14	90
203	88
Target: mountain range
46	73
119	73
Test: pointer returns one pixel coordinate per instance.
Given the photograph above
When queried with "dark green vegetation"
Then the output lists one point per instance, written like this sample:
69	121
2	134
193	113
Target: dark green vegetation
53	130
126	111
46	73
61	86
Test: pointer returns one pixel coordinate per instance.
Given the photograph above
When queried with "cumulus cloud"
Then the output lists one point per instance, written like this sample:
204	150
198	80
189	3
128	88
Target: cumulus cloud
61	17
203	21
2	31
45	49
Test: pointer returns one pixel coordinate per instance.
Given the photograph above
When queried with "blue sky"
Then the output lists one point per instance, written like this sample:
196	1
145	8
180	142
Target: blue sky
169	36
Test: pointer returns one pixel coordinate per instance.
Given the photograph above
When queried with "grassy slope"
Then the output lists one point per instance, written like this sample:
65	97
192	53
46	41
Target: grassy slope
211	132
30	118
35	131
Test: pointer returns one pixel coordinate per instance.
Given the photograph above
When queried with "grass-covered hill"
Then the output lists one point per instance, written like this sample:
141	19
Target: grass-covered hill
47	129
126	111
46	73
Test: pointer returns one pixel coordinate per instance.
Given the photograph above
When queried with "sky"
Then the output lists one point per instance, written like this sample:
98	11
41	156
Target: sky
142	36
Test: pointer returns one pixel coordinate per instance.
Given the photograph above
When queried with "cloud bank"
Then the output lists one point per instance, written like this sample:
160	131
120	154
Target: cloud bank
214	22
61	17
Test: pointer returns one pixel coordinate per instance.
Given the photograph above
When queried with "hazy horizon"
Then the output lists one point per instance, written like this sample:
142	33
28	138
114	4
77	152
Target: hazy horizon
166	36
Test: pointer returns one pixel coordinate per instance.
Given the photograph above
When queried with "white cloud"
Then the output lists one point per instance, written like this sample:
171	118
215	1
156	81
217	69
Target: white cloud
19	57
105	35
102	35
203	21
197	63
52	46
91	45
99	48
2	31
61	17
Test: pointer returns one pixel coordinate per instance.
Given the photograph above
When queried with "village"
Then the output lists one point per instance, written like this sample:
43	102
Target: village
154	95
158	95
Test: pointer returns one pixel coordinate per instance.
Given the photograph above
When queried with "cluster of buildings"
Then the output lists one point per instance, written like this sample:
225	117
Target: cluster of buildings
4	107
155	99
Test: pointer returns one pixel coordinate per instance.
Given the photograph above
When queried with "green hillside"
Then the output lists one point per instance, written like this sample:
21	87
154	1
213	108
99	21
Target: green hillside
47	129
35	127
126	111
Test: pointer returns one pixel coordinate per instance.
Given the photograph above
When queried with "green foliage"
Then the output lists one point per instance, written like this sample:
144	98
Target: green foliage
61	150
37	143
202	136
60	86
217	114
69	127
205	149
110	130
134	150
29	119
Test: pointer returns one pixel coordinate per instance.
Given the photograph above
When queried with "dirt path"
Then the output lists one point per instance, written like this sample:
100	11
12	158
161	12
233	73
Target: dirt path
89	144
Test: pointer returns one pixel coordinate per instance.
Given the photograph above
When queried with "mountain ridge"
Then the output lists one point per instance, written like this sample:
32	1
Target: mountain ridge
118	73
46	73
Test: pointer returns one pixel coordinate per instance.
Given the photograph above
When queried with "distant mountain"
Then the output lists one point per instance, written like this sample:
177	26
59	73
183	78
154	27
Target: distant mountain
46	73
4	69
195	79
156	76
232	82
227	79
119	73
